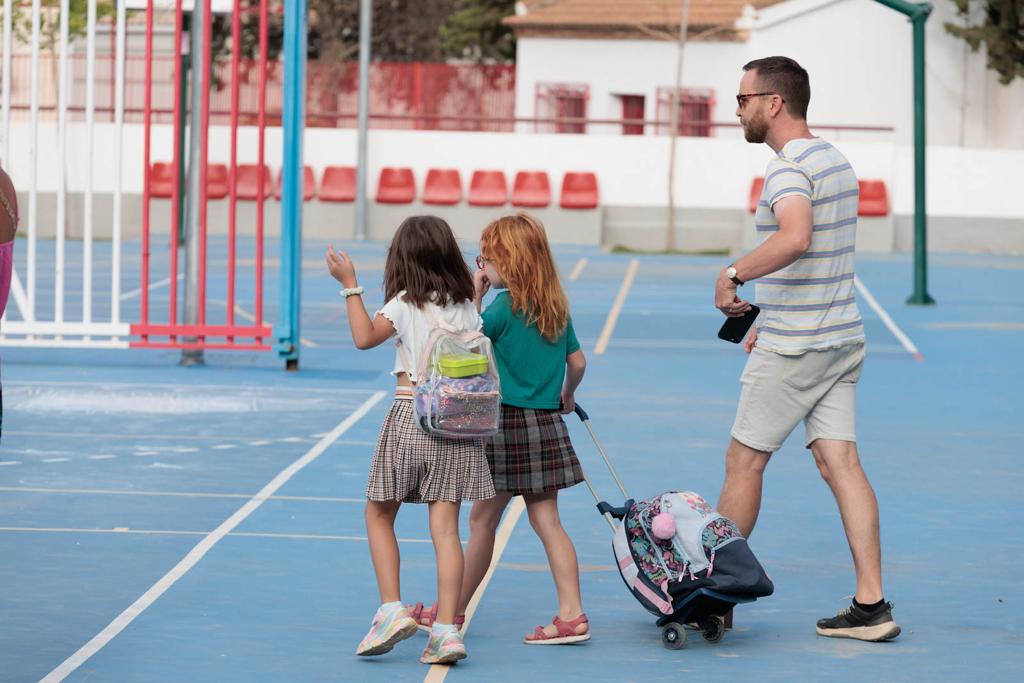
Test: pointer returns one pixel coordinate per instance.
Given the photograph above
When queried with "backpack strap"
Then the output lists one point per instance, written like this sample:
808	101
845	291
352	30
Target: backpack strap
437	328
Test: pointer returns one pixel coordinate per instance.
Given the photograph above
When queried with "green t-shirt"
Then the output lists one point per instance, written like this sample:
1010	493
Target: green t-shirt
531	367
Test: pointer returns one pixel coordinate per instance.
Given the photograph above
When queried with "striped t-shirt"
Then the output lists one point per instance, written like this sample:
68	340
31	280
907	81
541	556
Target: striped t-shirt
810	303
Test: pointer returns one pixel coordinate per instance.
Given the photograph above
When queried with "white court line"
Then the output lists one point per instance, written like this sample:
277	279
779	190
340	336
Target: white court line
437	672
204	546
175	532
4	463
613	315
893	327
251	318
156	285
578	270
182	494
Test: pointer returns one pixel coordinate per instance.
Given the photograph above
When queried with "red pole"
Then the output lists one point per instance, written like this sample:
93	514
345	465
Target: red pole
417	93
262	124
147	109
236	31
179	97
204	170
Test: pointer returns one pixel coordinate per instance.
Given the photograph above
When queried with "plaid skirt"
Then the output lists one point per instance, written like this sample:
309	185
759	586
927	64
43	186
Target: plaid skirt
532	453
411	466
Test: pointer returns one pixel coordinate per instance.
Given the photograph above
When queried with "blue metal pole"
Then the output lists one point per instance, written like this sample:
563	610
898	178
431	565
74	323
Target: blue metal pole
293	124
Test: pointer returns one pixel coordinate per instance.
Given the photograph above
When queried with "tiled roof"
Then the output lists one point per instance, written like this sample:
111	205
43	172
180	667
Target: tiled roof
626	17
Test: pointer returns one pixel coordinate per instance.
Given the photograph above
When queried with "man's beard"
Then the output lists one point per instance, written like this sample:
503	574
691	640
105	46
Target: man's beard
756	130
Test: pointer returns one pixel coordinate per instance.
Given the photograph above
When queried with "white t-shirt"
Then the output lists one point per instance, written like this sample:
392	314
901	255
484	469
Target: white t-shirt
413	329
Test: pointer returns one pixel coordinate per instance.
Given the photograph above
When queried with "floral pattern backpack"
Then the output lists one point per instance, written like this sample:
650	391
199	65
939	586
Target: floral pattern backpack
672	544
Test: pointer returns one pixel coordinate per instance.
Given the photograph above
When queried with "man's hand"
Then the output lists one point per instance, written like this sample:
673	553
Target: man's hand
341	267
751	340
726	299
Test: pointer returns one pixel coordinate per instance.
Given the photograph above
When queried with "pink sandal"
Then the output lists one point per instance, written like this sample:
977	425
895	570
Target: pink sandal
425	617
566	633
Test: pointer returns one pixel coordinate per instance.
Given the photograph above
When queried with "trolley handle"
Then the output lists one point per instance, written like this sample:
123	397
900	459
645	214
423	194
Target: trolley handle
585	419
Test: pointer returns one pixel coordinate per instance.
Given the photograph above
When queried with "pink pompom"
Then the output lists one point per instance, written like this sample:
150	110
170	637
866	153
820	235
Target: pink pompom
663	526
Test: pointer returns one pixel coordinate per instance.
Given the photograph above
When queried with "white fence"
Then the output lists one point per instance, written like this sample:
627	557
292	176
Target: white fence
35	322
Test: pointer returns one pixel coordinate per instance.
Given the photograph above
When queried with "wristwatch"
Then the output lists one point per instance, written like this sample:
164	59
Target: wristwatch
730	273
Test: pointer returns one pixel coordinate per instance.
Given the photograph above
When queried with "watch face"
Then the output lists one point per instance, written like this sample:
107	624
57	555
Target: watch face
730	272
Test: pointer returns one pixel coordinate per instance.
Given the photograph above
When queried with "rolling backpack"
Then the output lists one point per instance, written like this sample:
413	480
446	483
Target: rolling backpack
673	544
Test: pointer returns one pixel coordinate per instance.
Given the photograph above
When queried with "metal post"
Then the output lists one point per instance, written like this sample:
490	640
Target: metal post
920	295
293	123
183	116
195	136
918	14
365	32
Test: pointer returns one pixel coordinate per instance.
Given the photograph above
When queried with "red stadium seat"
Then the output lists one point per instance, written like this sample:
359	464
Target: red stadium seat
308	184
579	191
488	188
161	179
531	188
874	198
248	180
338	184
396	186
216	181
756	187
442	186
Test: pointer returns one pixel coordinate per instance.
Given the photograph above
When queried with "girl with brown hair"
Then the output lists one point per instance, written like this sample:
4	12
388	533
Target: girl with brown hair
426	280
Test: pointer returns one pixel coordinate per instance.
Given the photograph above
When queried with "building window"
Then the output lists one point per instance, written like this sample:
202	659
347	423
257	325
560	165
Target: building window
695	107
557	101
632	109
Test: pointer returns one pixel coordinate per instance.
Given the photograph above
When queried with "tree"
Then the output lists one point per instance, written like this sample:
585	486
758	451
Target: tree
1002	32
474	31
49	21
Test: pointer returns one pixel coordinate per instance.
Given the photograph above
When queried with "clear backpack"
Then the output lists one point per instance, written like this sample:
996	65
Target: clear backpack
458	394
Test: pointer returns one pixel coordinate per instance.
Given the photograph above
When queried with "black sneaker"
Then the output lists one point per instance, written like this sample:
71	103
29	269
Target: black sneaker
854	622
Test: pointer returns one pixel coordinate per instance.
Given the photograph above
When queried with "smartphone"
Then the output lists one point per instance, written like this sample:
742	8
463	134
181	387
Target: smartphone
735	329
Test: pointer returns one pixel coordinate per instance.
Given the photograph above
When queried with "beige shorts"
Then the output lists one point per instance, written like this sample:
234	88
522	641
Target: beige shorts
779	391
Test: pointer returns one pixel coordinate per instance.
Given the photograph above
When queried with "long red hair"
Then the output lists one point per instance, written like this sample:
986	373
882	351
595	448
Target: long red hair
518	247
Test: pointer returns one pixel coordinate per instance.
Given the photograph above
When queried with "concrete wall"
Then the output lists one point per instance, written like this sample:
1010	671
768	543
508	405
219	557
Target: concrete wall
967	188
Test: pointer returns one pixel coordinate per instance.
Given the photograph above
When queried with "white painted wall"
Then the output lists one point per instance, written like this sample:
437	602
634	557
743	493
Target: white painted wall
858	53
632	170
863	72
622	67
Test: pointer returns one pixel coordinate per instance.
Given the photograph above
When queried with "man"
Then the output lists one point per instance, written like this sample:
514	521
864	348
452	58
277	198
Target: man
808	347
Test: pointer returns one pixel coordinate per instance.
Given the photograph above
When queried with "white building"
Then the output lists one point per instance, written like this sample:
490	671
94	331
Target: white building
601	59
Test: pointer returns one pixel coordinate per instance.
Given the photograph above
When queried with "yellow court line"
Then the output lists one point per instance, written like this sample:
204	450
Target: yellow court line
613	315
251	318
438	672
578	269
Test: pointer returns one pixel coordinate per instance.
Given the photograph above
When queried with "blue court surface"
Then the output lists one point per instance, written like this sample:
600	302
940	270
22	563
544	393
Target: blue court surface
164	523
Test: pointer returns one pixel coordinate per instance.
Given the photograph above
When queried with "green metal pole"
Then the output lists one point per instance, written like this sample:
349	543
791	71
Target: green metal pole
918	13
183	116
920	296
